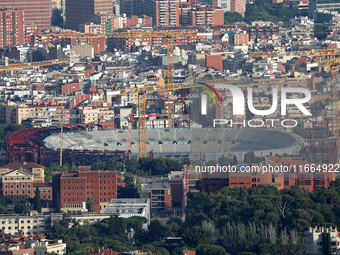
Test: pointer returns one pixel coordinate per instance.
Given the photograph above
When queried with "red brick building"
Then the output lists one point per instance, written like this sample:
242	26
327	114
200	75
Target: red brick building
238	39
11	28
214	61
196	14
36	12
160	195
19	185
76	188
297	177
234	6
70	88
98	43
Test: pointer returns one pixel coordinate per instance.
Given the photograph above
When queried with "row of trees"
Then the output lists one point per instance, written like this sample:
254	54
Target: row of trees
152	166
237	221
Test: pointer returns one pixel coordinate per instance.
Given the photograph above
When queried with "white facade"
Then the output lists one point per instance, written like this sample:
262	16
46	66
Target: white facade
129	207
318	239
47	246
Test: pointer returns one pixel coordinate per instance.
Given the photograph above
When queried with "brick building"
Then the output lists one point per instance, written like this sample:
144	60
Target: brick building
195	14
160	194
233	6
37	13
238	39
214	61
19	185
85	185
307	180
32	168
13	112
11	28
97	43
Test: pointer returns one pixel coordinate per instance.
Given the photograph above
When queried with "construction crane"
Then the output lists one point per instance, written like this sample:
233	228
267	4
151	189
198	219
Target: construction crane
168	36
141	107
14	67
332	60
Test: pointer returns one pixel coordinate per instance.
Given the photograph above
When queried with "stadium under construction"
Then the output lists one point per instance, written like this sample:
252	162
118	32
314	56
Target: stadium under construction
80	142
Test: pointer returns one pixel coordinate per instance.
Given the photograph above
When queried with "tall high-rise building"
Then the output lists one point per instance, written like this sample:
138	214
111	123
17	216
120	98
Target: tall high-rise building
37	13
82	11
164	13
228	5
132	7
196	14
233	6
11	28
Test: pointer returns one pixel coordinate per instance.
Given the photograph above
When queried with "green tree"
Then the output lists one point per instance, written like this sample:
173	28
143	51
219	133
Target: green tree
267	11
3	210
37	200
111	164
232	17
210	249
57	231
195	236
156	231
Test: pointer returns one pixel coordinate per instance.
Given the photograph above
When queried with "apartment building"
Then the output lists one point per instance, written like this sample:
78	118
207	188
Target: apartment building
83	11
160	194
194	14
110	22
328	5
12	112
227	5
322	240
97	43
37	13
233	6
164	13
89	115
28	225
12	30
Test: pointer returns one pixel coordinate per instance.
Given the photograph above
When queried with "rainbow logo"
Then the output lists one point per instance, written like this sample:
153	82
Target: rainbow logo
204	98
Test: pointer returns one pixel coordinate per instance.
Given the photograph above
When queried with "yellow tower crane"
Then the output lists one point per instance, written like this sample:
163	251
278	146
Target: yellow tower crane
168	36
324	58
142	96
19	66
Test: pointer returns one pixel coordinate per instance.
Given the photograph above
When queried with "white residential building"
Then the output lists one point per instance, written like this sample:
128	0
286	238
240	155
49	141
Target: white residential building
322	240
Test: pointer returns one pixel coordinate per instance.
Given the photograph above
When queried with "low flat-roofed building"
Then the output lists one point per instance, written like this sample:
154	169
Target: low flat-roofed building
129	207
27	225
